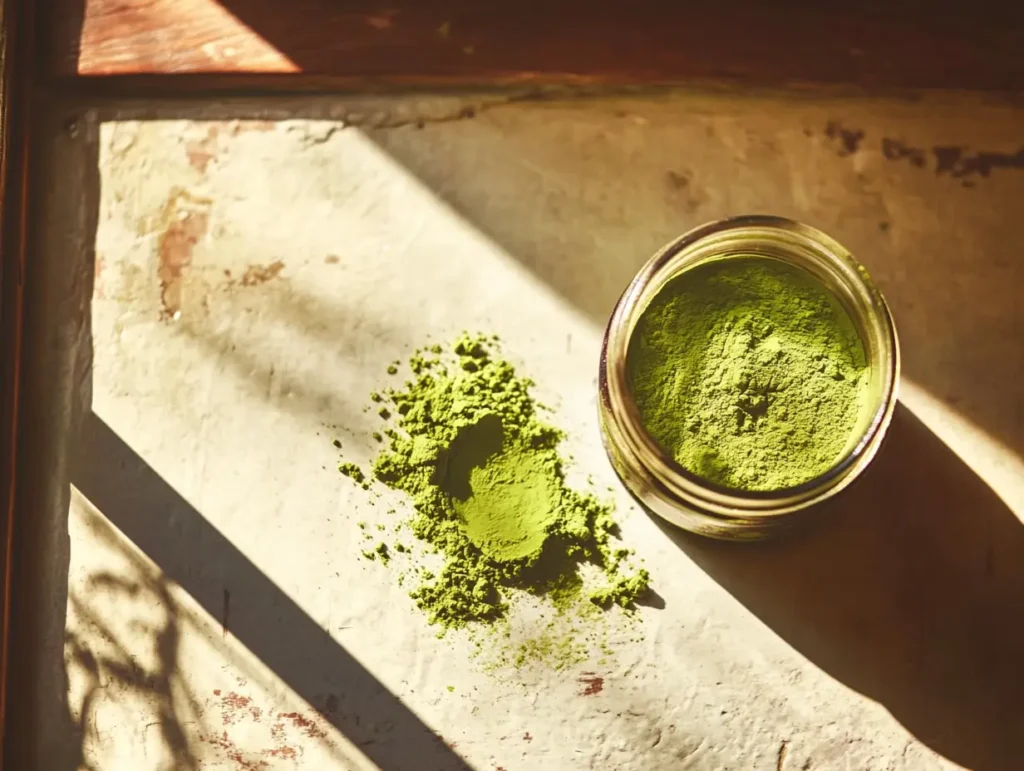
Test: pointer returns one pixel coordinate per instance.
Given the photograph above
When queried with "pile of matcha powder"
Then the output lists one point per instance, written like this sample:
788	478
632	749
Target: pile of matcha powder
488	488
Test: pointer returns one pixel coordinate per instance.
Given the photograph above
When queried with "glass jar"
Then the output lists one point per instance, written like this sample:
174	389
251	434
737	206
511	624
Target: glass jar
651	474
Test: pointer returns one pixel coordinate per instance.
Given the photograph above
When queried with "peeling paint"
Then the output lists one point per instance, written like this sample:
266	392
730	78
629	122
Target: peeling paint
233	706
201	152
849	139
958	163
184	220
594	684
310	727
243	760
955	161
894	150
260	274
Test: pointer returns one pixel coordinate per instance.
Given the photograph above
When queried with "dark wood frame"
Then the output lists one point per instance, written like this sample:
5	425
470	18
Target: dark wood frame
189	45
16	52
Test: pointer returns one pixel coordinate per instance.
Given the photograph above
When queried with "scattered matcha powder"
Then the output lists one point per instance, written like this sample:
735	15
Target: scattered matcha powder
749	373
620	591
489	492
556	649
353	472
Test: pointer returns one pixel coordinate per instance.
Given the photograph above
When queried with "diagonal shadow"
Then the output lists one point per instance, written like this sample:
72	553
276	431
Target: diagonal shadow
911	591
204	563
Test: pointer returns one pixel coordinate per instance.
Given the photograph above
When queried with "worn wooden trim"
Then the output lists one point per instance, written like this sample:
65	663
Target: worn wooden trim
238	44
15	70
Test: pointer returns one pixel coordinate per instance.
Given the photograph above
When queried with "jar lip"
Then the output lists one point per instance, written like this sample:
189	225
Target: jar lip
665	468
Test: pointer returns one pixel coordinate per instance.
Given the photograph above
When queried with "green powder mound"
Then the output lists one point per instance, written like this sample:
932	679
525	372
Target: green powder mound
748	372
507	498
489	491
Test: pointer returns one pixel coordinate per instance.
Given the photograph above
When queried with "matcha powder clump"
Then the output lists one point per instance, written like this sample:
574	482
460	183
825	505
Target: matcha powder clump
749	373
489	491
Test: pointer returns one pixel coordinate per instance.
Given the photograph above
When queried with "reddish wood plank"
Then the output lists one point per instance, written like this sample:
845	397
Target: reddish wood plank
468	41
170	36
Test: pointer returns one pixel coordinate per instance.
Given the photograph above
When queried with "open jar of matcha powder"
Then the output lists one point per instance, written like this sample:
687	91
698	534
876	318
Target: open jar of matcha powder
748	372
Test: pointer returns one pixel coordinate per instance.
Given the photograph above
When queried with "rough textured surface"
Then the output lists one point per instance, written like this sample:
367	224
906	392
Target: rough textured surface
214	622
748	372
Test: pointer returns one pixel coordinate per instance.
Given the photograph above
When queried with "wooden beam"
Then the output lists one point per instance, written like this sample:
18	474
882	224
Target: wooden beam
469	42
16	58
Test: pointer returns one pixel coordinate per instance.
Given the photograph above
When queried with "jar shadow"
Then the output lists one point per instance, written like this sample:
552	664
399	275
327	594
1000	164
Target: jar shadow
909	589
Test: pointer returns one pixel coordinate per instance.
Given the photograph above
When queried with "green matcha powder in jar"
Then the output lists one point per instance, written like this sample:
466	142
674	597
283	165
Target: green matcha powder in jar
748	372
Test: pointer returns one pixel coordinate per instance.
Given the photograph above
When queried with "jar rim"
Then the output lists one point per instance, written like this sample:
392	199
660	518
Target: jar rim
683	483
